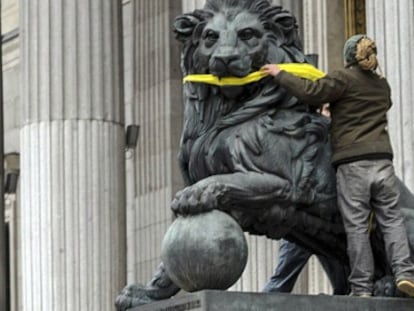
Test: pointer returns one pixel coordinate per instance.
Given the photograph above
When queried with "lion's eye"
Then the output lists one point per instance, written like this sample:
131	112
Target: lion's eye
211	35
246	34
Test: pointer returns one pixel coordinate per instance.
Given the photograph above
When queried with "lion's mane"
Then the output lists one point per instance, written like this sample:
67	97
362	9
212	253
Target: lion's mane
261	109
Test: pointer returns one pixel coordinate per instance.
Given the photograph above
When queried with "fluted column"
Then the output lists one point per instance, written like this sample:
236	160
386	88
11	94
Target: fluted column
391	24
154	102
72	155
324	34
191	5
324	31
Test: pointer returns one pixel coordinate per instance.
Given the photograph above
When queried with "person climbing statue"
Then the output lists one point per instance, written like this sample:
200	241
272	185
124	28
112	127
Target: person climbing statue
359	99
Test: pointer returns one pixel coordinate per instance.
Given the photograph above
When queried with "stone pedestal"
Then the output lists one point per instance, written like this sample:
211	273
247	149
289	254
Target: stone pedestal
236	301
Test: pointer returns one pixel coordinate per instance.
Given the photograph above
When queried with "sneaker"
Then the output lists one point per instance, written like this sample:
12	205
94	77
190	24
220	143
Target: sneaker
406	286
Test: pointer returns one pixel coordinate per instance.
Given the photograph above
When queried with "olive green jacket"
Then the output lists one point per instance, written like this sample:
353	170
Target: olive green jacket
359	101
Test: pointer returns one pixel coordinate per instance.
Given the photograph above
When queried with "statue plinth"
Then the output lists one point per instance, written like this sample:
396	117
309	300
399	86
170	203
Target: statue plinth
237	301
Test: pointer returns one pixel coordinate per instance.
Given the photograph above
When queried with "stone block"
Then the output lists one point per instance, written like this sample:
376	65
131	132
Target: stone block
236	301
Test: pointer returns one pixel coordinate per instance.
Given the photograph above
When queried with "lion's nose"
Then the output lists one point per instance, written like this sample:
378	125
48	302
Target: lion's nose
221	65
225	59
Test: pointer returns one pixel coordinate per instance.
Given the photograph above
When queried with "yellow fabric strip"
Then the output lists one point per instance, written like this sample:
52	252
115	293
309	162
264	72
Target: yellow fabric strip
306	71
210	79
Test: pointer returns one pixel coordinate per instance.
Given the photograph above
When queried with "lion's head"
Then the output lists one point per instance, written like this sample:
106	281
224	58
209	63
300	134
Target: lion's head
234	38
237	37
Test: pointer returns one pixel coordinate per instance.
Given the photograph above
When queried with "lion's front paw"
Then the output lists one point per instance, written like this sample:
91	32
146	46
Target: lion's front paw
197	199
132	296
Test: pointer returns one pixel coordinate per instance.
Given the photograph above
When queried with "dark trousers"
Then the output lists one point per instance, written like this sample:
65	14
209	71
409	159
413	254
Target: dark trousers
292	259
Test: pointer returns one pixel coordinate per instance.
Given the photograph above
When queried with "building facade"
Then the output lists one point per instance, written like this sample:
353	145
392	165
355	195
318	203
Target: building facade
89	211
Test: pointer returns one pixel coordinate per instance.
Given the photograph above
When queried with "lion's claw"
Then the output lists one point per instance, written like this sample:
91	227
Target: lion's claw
197	199
132	296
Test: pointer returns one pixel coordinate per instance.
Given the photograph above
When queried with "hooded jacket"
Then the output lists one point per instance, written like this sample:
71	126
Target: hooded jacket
359	101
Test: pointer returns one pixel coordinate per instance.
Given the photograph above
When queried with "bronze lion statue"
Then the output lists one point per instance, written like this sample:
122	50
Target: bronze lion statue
254	151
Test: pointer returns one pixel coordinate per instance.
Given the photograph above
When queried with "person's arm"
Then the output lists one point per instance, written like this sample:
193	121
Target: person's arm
326	89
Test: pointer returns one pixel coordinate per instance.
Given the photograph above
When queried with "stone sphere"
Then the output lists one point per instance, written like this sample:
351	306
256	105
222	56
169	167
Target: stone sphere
204	251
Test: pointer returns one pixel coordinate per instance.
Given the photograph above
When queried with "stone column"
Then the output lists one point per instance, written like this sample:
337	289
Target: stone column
324	31
324	34
154	101
191	5
72	155
391	24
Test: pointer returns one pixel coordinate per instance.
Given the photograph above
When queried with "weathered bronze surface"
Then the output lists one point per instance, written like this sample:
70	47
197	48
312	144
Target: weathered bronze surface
254	151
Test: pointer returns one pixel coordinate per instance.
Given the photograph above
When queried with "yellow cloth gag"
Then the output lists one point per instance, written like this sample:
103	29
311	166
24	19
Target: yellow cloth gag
302	70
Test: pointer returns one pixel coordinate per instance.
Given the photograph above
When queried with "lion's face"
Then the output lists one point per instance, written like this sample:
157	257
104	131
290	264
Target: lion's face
231	45
237	37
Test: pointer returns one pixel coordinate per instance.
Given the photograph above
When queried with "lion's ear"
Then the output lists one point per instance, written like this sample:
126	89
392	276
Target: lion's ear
286	23
184	26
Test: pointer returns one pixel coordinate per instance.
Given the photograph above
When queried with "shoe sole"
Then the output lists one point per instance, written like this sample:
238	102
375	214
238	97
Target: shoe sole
363	295
406	287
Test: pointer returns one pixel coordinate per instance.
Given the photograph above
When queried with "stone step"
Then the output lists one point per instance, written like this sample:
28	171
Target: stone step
210	300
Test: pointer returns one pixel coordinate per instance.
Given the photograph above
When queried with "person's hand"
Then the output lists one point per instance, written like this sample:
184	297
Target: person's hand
271	69
325	110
